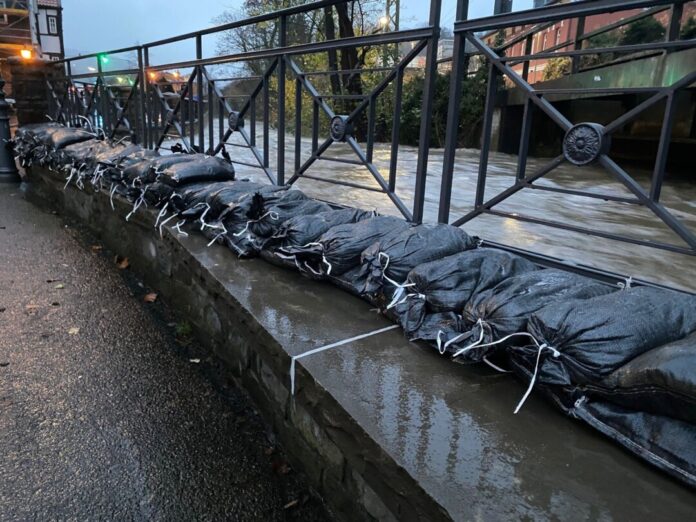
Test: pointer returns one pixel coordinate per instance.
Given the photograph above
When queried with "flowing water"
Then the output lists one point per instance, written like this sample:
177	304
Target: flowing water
647	263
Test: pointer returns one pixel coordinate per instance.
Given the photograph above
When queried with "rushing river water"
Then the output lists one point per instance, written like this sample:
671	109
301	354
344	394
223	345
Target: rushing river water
632	220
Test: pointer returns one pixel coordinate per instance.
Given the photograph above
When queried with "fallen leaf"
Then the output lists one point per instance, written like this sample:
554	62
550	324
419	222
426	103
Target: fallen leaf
97	248
150	298
194	361
59	286
290	504
122	262
74	331
31	309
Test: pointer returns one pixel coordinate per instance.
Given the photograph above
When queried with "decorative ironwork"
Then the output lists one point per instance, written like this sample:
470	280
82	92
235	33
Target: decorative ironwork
341	128
584	143
234	121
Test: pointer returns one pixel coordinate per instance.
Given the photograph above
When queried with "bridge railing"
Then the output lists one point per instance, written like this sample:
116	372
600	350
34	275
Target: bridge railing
486	42
139	102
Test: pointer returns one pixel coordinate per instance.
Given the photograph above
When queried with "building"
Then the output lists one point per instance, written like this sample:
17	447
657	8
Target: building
563	32
48	27
31	29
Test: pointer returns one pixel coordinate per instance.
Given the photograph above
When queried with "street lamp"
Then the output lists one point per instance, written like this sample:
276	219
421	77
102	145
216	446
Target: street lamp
8	167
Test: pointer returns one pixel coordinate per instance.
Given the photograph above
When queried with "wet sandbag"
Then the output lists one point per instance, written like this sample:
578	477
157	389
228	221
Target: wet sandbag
205	168
588	340
60	137
303	229
339	249
505	309
446	285
139	172
221	202
190	199
660	381
389	261
288	205
663	441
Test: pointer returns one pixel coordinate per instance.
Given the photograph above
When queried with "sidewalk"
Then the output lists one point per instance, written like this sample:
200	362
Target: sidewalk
102	414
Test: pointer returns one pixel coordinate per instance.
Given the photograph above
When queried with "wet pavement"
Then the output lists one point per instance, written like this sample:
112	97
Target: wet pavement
103	413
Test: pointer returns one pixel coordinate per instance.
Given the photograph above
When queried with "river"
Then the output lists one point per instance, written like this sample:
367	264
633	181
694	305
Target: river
632	260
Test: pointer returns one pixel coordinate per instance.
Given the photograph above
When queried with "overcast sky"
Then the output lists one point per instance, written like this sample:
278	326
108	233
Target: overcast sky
98	25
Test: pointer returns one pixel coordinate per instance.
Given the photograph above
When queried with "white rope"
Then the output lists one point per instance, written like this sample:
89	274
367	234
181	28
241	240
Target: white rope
162	213
480	323
400	287
626	283
272	214
494	366
328	347
542	347
114	186
177	227
161	225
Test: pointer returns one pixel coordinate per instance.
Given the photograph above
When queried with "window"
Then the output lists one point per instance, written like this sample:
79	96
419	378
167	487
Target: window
52	25
543	45
558	37
3	18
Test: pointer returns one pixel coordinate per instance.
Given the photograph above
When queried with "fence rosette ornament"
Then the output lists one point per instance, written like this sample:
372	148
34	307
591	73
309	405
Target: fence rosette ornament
584	143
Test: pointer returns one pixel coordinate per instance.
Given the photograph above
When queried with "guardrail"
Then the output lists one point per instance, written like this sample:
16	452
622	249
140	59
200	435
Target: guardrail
152	116
584	143
144	109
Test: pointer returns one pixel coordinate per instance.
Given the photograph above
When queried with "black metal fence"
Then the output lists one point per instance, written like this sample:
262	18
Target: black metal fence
154	108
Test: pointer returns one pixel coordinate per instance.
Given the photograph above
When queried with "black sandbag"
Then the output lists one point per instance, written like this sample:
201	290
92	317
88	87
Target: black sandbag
301	230
662	441
505	309
139	171
339	249
290	204
60	137
84	151
389	261
190	199
592	338
202	168
660	381
222	201
446	285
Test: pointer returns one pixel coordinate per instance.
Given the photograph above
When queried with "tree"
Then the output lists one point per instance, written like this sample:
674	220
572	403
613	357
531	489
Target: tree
688	31
645	30
557	68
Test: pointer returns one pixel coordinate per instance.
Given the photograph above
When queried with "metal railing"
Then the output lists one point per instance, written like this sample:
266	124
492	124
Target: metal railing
153	116
584	143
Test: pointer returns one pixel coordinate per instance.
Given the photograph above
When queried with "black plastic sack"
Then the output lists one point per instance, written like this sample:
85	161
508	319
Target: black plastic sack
505	309
389	261
221	202
339	249
288	205
591	339
446	285
663	441
60	137
205	168
190	200
660	381
303	229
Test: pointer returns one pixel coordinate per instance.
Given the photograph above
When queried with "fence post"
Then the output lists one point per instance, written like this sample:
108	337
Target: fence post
426	110
283	41
8	168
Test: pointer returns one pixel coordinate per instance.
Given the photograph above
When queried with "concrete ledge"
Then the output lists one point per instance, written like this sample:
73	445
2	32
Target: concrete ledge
383	428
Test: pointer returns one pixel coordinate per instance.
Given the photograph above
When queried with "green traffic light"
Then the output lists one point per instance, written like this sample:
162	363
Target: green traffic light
104	59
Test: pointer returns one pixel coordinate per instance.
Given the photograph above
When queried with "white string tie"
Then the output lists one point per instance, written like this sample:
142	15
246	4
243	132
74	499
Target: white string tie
328	347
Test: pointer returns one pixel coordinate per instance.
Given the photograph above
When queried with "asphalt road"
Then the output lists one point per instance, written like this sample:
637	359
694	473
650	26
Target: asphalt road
105	412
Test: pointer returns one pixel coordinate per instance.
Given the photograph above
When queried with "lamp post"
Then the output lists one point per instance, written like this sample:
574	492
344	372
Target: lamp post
8	168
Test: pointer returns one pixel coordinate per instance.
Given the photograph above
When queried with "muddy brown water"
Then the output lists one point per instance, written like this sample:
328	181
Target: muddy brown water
660	266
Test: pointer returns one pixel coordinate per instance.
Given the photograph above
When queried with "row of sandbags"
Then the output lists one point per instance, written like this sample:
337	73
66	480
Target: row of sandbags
621	358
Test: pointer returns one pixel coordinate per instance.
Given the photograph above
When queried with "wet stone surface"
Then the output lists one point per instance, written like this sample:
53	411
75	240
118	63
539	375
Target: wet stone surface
105	413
